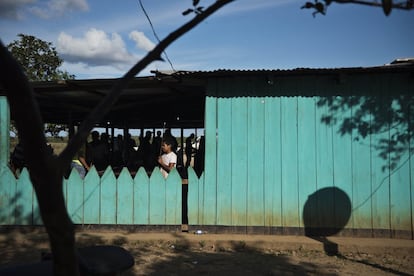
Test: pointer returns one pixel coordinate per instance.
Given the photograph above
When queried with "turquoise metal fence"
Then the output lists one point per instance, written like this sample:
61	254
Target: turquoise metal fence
105	199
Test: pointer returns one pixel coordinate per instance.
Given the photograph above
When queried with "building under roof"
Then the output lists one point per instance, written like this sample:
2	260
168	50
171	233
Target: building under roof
176	99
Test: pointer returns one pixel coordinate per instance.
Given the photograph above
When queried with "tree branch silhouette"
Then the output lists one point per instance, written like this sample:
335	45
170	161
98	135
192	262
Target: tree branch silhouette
46	171
387	5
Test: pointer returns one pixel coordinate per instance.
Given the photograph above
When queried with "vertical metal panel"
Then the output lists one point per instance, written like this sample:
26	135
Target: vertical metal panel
7	194
125	198
4	132
37	217
400	198
210	168
91	198
201	197
290	204
224	162
255	161
306	151
361	182
324	167
173	198
24	200
108	198
157	198
380	195
238	162
193	197
272	163
380	185
342	168
75	196
141	197
411	164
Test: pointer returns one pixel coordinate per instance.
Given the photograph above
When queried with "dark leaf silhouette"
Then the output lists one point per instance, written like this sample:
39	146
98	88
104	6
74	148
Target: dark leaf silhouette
188	11
389	119
386	6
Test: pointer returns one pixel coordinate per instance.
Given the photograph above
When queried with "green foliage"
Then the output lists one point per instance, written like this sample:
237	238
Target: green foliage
39	59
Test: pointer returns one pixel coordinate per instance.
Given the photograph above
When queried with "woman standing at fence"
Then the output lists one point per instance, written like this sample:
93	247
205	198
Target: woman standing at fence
168	160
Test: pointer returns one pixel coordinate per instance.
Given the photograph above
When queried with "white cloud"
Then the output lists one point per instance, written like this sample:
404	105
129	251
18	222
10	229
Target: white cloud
95	48
11	9
142	42
53	8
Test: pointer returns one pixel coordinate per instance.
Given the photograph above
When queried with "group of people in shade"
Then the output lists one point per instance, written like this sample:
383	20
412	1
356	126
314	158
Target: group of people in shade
158	151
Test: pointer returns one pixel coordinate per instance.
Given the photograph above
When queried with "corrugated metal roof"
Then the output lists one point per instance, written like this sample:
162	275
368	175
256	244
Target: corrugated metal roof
405	64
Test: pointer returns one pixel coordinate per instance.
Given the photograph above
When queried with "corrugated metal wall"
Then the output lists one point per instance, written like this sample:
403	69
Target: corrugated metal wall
266	157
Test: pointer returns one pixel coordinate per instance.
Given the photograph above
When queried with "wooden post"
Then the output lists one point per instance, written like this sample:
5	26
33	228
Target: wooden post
4	132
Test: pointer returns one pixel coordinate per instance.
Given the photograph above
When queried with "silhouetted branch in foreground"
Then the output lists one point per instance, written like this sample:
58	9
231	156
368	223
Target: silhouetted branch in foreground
46	170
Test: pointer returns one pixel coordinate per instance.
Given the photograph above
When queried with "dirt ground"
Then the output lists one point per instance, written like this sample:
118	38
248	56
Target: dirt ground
179	253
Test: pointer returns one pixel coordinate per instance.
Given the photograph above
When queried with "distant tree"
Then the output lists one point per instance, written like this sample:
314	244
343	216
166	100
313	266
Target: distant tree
40	62
39	59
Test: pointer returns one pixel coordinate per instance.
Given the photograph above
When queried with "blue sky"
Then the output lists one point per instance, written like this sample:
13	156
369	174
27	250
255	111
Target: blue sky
102	39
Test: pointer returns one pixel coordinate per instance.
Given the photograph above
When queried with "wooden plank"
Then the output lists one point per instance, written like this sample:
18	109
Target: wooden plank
37	217
24	200
91	198
307	179
324	196
238	161
361	182
342	162
290	204
272	163
108	198
75	197
201	197
210	169
380	185
411	163
224	161
400	198
193	197
7	193
141	197
125	198
4	132
255	159
173	198
157	198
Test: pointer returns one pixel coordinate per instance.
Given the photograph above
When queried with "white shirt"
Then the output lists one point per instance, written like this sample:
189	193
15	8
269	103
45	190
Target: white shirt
167	159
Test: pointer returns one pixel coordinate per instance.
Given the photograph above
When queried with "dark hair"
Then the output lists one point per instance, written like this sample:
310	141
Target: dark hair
168	140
